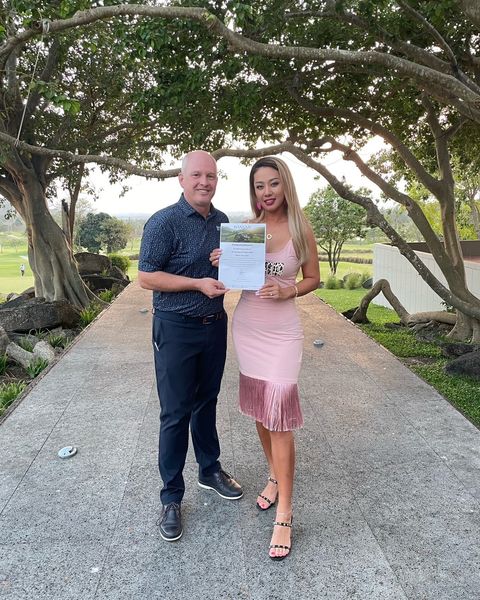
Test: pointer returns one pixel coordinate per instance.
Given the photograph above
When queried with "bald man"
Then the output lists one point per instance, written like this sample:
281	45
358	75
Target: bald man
189	335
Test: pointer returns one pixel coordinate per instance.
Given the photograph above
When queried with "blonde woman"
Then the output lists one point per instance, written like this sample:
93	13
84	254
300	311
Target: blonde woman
268	337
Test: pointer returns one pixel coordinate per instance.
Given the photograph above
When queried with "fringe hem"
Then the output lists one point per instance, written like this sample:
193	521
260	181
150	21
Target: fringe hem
275	405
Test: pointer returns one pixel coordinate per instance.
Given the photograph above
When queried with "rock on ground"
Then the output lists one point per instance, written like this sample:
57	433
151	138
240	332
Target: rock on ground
467	364
35	313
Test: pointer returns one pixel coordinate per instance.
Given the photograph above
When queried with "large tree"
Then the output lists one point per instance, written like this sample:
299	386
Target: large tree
85	90
99	231
330	73
334	221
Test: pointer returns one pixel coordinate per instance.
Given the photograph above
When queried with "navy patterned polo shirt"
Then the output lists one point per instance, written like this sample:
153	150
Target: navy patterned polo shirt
178	240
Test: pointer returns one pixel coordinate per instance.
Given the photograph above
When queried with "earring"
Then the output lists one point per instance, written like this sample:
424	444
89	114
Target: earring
259	206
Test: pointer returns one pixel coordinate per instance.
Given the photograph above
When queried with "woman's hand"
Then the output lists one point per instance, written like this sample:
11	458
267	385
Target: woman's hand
215	257
273	291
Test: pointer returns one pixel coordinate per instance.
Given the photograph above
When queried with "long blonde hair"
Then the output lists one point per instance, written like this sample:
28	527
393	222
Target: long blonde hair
297	222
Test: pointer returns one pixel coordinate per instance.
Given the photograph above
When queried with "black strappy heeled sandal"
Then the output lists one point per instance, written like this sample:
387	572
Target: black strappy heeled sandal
267	500
282	546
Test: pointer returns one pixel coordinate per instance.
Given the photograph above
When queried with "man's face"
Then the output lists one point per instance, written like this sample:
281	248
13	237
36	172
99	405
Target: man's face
199	181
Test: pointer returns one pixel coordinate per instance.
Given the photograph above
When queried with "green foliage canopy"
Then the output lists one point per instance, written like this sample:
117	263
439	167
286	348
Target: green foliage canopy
334	221
99	231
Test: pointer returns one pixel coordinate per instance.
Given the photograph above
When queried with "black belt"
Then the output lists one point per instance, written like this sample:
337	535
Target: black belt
173	316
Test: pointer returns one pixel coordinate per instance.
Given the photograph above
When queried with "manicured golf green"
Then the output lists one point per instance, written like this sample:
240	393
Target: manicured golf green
13	253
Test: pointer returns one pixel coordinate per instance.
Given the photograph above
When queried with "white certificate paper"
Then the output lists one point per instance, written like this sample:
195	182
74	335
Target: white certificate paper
242	263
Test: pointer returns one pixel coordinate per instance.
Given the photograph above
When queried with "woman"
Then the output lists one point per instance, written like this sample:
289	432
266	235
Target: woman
268	337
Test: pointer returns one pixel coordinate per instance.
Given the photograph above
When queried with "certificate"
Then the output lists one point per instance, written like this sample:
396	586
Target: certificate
242	263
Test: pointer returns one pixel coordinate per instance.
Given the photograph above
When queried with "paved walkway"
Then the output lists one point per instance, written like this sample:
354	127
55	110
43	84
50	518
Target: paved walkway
387	493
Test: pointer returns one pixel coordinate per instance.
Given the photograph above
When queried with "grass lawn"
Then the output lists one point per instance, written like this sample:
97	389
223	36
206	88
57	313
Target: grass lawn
133	270
133	247
357	249
424	358
344	268
13	253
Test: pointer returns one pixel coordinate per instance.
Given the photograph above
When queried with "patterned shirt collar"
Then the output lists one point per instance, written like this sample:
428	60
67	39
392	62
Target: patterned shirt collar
188	209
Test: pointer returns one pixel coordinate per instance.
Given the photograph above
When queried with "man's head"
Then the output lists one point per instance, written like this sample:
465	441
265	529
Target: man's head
198	179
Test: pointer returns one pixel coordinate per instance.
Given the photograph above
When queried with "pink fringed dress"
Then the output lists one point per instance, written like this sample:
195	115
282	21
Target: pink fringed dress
268	340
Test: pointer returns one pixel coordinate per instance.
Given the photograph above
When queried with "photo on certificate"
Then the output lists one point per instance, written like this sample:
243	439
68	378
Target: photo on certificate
242	264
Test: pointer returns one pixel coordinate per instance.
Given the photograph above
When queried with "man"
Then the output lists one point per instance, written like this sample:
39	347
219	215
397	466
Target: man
189	335
22	269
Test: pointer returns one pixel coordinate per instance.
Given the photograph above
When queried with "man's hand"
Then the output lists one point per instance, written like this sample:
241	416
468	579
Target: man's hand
215	256
211	287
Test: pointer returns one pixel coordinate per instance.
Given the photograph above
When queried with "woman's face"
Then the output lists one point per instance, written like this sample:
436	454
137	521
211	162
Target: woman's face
268	189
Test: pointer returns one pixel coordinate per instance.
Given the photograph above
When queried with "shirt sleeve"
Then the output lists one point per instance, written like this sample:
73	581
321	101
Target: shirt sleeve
157	245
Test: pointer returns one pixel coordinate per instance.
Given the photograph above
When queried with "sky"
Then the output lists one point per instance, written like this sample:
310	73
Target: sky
232	195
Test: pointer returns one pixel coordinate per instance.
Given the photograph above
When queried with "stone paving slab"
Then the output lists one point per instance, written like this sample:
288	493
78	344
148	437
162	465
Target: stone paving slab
386	499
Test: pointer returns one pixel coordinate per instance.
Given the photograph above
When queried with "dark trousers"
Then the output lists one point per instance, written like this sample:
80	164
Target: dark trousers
189	362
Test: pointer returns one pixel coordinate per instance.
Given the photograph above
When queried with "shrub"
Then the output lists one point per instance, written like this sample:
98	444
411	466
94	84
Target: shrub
352	281
38	333
3	363
87	315
333	283
56	340
26	344
122	262
9	391
106	295
36	366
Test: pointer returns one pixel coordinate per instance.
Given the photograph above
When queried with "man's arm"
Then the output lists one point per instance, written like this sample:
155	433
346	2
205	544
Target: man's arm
167	282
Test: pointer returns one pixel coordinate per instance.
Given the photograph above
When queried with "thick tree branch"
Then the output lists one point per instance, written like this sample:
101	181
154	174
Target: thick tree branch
413	209
470	306
441	41
441	145
472	9
13	163
455	128
12	80
382	285
403	151
424	77
130	168
46	75
446	197
436	35
162	174
9	190
411	51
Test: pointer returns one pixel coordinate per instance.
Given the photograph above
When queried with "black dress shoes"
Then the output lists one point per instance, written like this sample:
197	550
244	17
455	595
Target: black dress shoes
222	483
170	522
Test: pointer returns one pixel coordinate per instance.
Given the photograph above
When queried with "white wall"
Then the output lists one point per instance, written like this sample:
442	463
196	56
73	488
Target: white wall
406	283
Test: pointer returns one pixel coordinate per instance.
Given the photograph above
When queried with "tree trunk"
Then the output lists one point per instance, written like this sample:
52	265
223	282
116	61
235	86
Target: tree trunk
66	222
382	285
472	10
466	327
74	195
441	316
55	272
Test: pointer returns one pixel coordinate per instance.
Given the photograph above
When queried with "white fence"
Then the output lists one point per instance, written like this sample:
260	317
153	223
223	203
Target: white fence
406	283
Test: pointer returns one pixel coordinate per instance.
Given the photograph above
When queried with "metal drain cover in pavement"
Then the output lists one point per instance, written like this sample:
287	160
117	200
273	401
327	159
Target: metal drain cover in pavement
67	452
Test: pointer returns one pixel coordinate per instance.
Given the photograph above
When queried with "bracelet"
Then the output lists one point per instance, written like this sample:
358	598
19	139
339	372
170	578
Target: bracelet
296	291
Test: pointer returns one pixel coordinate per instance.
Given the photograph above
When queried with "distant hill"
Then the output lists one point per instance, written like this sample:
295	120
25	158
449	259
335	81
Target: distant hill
238	217
137	216
235	217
